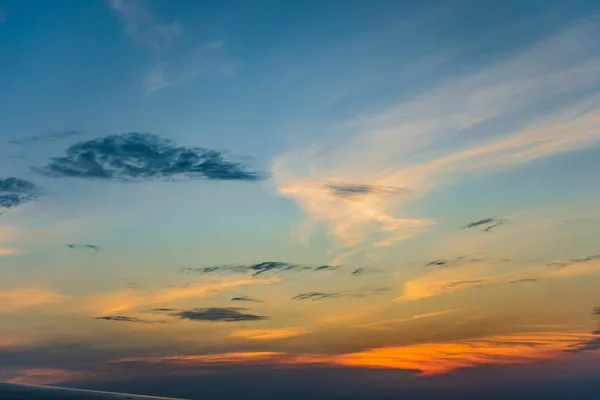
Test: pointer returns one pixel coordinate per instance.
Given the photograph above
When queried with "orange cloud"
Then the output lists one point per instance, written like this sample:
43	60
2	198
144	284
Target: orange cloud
426	358
439	358
130	298
221	358
266	334
47	376
27	297
9	251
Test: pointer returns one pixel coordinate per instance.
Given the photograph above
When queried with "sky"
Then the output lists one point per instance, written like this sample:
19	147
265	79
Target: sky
345	199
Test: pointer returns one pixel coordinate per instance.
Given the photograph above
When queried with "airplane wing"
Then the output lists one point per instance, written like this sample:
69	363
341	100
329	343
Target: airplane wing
15	391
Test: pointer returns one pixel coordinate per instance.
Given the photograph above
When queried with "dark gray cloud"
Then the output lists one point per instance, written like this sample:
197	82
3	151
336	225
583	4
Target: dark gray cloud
490	227
596	311
364	270
256	269
164	309
216	314
121	318
244	298
15	192
359	293
357	190
490	222
436	263
525	280
326	267
46	137
83	246
143	156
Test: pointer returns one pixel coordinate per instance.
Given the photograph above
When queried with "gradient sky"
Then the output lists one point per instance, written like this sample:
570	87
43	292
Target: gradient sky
420	177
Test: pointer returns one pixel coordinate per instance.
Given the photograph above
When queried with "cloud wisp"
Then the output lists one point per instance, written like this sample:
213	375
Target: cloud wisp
442	135
46	137
15	192
143	156
217	314
257	269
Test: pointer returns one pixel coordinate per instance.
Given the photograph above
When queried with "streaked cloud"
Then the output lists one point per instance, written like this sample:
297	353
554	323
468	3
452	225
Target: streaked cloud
268	334
257	269
143	156
46	376
15	192
26	297
389	324
122	318
358	293
142	25
219	358
128	299
401	147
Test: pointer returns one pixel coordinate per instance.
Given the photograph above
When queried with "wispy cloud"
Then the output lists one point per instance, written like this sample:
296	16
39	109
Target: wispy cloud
26	297
142	25
218	314
208	59
143	156
15	192
155	78
403	147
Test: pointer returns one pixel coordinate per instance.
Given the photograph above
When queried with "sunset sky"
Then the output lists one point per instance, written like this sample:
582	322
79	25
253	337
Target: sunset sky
371	196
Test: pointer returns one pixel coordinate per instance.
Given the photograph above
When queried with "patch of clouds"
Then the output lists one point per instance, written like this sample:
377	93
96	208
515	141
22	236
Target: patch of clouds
440	136
15	192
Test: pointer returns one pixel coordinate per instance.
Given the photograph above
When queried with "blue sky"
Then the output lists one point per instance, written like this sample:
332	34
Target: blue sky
362	136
